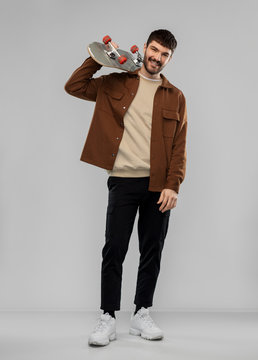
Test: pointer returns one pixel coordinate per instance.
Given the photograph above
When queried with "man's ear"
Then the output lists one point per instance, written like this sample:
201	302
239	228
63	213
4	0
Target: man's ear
170	57
144	47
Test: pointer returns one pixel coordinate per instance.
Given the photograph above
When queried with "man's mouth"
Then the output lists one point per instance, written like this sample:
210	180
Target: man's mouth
154	64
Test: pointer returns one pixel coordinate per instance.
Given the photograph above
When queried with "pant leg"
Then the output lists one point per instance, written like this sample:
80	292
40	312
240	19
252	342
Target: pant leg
152	231
123	201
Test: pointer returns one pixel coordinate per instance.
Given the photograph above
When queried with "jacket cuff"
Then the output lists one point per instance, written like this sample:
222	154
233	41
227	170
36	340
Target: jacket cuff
91	61
172	185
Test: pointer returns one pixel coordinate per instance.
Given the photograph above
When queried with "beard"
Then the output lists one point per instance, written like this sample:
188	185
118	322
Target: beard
151	70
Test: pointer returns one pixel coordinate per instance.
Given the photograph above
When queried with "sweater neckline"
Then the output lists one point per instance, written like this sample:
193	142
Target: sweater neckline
149	78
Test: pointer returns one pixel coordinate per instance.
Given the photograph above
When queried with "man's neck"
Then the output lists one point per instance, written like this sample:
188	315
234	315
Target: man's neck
148	75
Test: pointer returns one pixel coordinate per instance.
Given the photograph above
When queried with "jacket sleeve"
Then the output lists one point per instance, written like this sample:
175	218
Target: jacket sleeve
177	167
81	84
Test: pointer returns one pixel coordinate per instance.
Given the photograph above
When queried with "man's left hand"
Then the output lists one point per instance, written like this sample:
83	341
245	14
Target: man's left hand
168	198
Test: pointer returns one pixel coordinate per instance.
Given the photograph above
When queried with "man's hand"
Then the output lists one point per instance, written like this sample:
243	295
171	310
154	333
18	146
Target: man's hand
168	198
114	44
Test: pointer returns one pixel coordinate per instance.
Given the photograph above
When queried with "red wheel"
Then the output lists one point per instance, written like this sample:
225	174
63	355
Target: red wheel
134	48
122	59
106	39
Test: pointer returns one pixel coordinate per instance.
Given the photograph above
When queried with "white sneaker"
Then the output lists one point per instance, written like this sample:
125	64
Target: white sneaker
142	324
104	331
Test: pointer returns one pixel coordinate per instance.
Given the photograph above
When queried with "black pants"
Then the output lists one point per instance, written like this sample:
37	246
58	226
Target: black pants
125	195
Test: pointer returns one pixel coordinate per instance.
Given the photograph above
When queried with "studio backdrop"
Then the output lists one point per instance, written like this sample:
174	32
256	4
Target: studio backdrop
53	205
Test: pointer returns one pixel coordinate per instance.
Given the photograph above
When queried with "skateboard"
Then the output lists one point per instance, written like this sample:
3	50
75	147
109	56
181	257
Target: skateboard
107	55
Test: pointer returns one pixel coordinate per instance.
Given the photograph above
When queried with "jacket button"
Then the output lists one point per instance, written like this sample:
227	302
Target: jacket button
117	138
124	107
132	94
113	154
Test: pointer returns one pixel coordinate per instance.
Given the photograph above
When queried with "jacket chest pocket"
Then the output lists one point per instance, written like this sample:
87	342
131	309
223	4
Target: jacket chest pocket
170	120
113	102
113	95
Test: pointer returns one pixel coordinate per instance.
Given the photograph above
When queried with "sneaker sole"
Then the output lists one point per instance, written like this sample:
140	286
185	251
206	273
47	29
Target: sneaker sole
136	332
103	343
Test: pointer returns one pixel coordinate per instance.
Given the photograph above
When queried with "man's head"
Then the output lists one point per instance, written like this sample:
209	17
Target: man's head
158	50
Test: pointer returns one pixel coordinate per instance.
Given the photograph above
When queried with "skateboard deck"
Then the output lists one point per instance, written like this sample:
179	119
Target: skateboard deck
107	55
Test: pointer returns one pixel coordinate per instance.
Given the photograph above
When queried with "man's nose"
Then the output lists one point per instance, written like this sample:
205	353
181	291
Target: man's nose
157	57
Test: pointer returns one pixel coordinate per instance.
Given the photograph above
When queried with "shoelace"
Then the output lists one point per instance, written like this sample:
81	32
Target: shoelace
148	320
101	325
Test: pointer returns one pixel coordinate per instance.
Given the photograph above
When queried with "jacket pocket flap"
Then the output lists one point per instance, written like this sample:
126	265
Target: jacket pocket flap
114	93
170	114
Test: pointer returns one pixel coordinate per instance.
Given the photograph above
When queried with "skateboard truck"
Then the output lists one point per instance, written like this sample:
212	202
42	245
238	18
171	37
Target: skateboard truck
113	52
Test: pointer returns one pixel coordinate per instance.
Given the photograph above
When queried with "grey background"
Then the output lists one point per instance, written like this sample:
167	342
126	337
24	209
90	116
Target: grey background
53	206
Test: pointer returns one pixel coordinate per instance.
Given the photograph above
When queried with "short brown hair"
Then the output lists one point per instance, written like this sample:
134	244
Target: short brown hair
164	38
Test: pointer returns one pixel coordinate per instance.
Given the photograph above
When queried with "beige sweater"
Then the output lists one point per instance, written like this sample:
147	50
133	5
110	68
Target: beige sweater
133	157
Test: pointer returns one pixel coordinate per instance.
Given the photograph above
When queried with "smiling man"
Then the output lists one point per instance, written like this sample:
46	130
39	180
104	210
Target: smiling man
155	59
138	134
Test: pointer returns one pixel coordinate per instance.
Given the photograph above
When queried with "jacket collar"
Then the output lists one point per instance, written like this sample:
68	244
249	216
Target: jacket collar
165	82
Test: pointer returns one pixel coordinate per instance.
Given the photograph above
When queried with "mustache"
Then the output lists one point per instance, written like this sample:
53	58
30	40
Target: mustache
157	62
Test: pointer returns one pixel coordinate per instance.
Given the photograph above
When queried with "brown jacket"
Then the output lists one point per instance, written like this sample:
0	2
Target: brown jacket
113	94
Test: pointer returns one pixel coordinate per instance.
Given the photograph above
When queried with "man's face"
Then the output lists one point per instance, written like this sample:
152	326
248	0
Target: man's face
156	57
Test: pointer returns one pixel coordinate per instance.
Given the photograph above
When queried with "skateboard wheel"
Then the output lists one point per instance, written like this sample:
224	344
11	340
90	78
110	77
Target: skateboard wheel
106	39
134	48
122	59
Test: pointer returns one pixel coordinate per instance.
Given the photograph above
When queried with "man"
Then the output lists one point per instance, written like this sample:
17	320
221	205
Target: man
138	134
